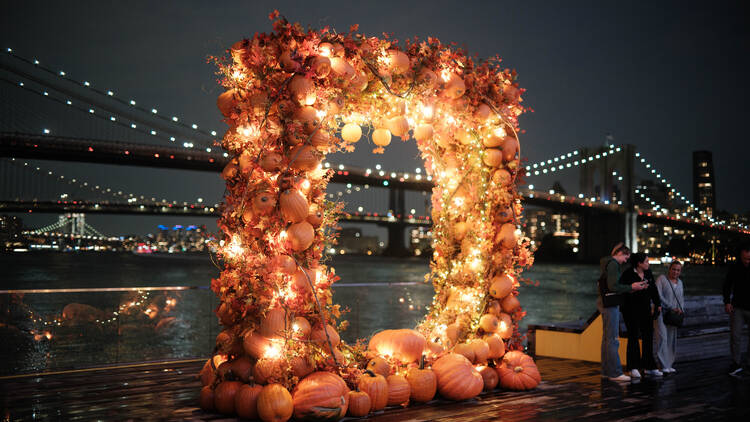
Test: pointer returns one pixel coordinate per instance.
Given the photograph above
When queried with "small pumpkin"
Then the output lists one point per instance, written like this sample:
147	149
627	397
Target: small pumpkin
465	350
454	87
490	377
428	77
381	137
320	139
207	374
504	216
275	403
501	286
224	396
321	65
268	371
398	126
294	205
494	308
405	345
308	116
300	280
284	264
456	377
359	404
481	350
242	368
423	132
379	365
270	161
376	387
510	304
227	102
507	236
505	326
496	345
264	203
518	371
304	158
510	148
460	229
351	132
482	112
255	344
319	336
274	323
422	383
342	69
301	367
246	401
315	218
488	323
320	396
301	327
502	177
301	235
230	170
493	157
206	399
303	90
398	390
399	62
463	136
287	63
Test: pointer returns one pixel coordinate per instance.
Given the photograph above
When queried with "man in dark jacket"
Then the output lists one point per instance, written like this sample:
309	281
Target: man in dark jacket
737	305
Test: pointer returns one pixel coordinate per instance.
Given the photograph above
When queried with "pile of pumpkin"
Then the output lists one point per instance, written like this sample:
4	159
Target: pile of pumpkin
395	375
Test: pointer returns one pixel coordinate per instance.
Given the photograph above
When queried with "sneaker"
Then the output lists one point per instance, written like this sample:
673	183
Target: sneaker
735	370
621	378
669	370
635	374
654	372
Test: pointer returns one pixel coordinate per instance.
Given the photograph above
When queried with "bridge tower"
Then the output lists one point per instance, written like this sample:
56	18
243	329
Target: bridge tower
396	232
75	222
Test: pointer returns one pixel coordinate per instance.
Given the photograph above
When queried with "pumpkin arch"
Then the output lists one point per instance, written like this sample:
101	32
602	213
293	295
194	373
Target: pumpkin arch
293	96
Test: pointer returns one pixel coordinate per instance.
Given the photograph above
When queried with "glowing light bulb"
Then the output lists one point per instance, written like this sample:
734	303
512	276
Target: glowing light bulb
500	132
273	351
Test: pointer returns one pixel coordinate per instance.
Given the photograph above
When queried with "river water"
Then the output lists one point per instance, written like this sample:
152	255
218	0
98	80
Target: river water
122	326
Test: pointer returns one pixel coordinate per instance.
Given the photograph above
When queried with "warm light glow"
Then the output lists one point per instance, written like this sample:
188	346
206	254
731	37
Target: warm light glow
273	350
446	75
500	132
234	248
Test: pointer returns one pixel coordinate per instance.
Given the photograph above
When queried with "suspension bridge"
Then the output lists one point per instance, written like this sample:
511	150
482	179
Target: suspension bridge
620	192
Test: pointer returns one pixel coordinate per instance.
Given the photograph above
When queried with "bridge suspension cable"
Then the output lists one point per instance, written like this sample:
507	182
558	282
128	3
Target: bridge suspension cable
153	111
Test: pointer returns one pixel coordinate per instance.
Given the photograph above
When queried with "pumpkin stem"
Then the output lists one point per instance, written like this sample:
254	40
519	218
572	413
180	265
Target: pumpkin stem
421	362
518	369
370	373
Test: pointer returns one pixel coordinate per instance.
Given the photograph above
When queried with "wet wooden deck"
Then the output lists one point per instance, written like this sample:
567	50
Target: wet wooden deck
571	390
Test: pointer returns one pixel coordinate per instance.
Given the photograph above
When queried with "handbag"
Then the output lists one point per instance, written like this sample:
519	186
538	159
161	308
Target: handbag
675	319
609	299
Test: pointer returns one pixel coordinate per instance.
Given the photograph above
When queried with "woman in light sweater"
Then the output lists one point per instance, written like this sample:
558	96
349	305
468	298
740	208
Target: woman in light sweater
665	336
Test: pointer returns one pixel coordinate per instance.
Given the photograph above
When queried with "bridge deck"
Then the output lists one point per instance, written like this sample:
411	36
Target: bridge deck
571	390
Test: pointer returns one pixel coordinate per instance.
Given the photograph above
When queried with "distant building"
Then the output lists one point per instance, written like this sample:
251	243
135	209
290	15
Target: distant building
704	186
11	232
351	240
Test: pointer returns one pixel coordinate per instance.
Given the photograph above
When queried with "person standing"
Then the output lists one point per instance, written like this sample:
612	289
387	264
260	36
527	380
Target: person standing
640	309
611	268
671	294
737	304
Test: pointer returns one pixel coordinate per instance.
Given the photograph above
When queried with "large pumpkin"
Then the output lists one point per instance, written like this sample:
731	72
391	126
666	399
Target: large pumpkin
319	336
422	383
224	396
275	403
398	390
376	387
274	323
255	344
456	377
405	345
246	401
206	399
518	371
321	396
501	286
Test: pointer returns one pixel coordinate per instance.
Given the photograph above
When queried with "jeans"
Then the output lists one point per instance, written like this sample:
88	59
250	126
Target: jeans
665	338
737	321
640	327
611	366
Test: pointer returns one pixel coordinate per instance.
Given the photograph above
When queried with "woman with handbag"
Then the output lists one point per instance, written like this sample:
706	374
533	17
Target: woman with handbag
665	327
640	309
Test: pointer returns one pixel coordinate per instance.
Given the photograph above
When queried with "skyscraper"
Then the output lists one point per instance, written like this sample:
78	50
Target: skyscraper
704	186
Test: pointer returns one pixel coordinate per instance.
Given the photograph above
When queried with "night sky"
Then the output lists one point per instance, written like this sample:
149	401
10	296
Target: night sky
669	77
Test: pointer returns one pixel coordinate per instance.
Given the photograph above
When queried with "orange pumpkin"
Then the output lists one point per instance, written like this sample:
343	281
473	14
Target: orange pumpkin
507	236
301	327
300	280
274	323
398	390
264	203
301	235
359	404
454	87
504	216
460	229
422	383
304	158
227	102
242	368
294	206
308	116
270	161
351	132
488	323
303	90
423	132
267	371
505	327
342	69
489	377
428	77
255	344
482	112
381	137
493	157
301	367
320	396
510	148
315	218
465	350
321	65
518	371
456	377
399	62
502	177
493	307
501	286
224	396
463	136
398	125
206	399
379	365
510	304
491	140
319	336
207	374
376	387
481	350
284	264
246	401
320	139
230	170
496	345
275	403
287	63
405	345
